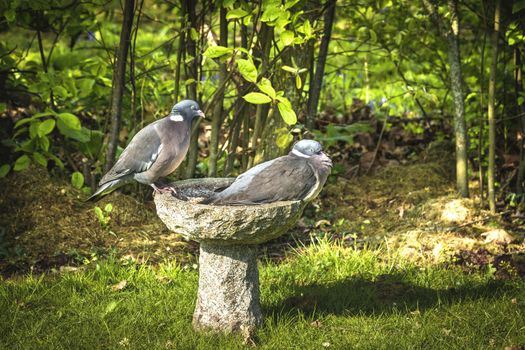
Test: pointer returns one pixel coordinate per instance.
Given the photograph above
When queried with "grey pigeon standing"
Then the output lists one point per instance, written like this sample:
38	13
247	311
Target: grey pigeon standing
154	152
300	175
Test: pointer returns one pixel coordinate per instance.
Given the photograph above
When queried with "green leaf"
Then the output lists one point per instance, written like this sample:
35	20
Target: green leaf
77	180
22	163
373	36
23	121
70	120
287	112
247	70
266	86
57	160
271	14
298	82
108	208
81	134
110	307
236	13
10	15
217	51
60	91
194	35
306	29
4	170
289	69
33	129
44	143
46	127
284	140
257	98
518	6
99	214
287	37
86	87
40	159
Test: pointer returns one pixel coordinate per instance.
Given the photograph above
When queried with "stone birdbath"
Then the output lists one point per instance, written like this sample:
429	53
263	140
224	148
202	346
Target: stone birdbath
228	293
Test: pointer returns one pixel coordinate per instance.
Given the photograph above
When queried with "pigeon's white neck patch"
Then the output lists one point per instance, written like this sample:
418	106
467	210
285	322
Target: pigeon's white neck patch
176	118
300	154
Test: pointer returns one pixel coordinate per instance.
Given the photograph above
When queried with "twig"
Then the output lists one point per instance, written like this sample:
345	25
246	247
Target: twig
377	146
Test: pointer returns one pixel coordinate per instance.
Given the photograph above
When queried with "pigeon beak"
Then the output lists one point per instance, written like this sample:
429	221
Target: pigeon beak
201	114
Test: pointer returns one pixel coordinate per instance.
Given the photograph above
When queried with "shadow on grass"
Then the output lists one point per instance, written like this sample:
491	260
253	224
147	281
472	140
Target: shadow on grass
385	295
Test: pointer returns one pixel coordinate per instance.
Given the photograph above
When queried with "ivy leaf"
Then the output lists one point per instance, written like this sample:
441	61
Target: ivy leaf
287	112
266	86
287	37
4	170
257	98
247	70
40	159
46	127
22	163
70	120
237	13
217	51
77	180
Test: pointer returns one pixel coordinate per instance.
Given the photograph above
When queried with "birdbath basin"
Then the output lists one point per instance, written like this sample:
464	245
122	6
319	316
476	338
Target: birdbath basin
228	292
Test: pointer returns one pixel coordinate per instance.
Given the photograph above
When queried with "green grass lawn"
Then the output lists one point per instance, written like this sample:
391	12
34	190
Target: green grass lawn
325	296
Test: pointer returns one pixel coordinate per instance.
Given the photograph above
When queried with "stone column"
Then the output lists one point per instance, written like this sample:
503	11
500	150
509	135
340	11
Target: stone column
228	294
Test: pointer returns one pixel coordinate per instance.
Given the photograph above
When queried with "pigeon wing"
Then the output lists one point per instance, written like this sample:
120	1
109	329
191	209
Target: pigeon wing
138	156
286	178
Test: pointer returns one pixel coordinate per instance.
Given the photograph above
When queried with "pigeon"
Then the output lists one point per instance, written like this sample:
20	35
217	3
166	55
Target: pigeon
300	175
154	152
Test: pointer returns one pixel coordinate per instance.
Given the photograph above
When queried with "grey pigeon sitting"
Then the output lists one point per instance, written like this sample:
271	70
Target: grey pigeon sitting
154	152
300	175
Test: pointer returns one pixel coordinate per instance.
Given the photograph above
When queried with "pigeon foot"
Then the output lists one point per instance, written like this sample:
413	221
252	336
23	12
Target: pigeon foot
163	188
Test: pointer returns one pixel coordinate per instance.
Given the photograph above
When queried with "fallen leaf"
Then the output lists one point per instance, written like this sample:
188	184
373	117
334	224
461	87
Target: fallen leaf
498	236
316	324
322	223
119	286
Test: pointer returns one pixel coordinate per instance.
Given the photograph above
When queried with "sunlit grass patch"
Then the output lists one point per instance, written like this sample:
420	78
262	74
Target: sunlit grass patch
322	296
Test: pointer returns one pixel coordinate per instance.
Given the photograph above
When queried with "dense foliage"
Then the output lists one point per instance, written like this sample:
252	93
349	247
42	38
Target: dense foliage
252	65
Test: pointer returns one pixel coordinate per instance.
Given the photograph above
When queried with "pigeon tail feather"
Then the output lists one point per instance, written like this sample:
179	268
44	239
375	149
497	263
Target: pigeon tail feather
105	189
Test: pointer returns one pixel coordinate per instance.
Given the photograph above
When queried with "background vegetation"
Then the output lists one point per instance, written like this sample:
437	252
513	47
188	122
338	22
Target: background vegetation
262	71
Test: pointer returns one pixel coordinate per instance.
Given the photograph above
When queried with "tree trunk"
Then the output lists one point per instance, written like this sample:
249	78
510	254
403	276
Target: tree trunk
460	127
218	108
262	110
192	72
315	88
119	82
180	53
491	114
519	90
481	121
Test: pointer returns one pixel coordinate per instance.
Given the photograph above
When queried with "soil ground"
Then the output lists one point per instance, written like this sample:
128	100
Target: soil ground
412	208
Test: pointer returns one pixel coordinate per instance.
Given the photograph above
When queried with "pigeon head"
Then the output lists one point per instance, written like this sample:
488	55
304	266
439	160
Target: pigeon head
307	148
186	110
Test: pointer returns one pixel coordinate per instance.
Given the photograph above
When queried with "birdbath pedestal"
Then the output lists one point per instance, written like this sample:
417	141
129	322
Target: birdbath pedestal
228	293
